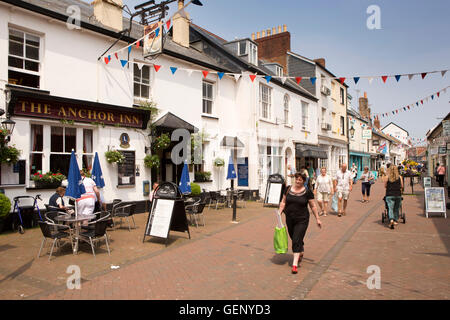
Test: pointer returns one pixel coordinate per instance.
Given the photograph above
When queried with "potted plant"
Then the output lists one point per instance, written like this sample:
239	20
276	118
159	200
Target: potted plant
114	156
202	176
195	190
48	180
5	208
151	161
219	162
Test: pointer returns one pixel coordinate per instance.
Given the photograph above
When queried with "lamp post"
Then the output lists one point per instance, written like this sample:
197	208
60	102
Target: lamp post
7	124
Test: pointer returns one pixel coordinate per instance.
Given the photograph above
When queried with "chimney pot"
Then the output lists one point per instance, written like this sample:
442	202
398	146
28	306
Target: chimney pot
274	30
253	36
279	29
268	32
284	28
263	33
180	4
365	95
258	35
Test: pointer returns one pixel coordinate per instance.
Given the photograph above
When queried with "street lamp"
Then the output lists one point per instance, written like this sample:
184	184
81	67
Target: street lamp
352	131
8	125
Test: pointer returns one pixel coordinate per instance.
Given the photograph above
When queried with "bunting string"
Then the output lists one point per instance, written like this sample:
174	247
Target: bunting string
411	106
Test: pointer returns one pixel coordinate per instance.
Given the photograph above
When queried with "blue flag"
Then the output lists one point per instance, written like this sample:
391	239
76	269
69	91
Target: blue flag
173	69
313	80
356	79
185	186
397	77
220	74
124	62
268	78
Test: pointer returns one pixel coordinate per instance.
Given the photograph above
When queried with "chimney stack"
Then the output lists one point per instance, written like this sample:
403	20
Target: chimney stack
274	46
320	61
109	13
181	27
377	124
279	29
364	109
253	36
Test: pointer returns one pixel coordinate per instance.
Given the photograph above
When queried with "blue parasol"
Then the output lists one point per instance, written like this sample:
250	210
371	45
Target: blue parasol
97	174
185	186
231	171
75	186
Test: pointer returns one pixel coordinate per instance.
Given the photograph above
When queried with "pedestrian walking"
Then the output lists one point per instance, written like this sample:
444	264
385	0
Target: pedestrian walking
367	179
322	191
295	206
354	172
305	172
440	174
394	187
291	173
343	184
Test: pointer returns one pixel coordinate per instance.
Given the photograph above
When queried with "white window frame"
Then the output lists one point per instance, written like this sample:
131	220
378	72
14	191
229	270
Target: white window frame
253	49
211	99
23	57
140	82
305	116
286	109
267	112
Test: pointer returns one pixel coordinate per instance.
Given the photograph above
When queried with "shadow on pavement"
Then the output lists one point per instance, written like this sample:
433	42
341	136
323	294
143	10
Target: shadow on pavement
18	271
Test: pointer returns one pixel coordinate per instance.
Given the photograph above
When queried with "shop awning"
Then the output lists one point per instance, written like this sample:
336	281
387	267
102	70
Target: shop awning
307	151
359	154
232	142
170	122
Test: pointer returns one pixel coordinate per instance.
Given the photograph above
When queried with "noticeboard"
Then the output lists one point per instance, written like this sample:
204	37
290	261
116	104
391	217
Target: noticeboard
435	201
273	193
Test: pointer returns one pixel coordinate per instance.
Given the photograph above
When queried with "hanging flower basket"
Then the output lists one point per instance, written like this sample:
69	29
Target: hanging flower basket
219	162
162	142
152	161
9	155
114	156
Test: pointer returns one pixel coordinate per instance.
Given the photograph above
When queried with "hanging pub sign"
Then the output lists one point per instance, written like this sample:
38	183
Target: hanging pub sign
435	201
167	213
43	106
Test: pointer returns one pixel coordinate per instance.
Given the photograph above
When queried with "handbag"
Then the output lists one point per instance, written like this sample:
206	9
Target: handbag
334	203
373	180
280	236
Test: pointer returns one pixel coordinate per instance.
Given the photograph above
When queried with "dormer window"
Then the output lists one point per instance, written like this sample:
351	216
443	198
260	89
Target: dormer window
279	71
247	48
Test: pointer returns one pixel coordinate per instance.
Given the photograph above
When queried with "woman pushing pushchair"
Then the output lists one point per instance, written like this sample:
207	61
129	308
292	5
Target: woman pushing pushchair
394	187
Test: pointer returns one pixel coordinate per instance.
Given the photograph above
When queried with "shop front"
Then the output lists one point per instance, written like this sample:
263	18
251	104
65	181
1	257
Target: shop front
48	128
309	155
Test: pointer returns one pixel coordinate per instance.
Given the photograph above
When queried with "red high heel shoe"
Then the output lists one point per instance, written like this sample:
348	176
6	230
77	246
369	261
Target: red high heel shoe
294	269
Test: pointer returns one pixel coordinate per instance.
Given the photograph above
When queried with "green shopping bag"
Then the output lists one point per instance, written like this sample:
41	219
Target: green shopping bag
280	240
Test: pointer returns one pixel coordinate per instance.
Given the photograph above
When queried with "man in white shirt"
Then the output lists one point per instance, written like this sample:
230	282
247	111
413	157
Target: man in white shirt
291	174
343	186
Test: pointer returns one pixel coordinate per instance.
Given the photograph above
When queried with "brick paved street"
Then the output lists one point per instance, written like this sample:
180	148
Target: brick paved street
237	261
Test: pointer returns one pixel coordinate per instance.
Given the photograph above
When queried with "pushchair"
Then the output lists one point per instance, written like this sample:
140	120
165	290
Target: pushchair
385	215
24	206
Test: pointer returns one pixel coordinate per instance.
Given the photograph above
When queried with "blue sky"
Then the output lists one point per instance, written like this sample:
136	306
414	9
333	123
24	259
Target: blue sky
413	38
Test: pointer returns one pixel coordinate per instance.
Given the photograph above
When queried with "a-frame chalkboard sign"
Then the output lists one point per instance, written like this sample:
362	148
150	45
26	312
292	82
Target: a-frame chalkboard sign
167	213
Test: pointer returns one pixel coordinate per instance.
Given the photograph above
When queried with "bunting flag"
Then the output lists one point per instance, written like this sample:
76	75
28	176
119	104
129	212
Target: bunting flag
410	76
443	72
424	75
268	78
129	49
252	77
123	62
298	79
168	24
117	56
397	77
205	73
356	79
138	44
370	80
384	78
106	60
173	69
412	105
220	74
237	76
157	67
140	65
313	80
157	32
342	80
283	80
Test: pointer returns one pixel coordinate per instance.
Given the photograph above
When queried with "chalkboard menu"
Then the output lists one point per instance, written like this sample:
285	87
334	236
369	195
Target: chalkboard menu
127	169
274	190
435	201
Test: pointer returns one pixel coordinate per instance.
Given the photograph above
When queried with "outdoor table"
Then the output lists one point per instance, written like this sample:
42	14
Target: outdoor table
77	225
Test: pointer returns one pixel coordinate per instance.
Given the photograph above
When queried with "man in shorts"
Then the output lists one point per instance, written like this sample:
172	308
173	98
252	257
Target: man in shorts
343	186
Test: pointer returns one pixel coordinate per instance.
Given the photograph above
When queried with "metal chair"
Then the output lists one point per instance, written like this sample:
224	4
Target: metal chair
55	235
126	211
96	234
115	204
196	209
241	197
216	197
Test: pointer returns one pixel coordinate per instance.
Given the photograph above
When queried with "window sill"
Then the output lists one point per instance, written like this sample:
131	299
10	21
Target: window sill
307	131
26	89
195	181
267	121
206	115
125	186
290	126
6	186
34	188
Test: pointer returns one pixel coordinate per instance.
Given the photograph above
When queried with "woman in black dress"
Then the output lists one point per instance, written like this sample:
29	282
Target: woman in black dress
295	206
